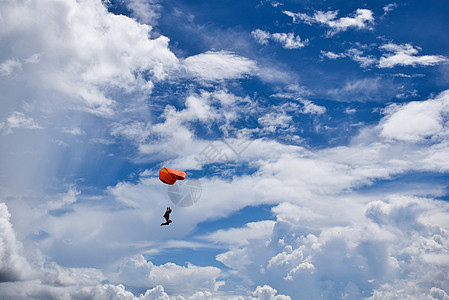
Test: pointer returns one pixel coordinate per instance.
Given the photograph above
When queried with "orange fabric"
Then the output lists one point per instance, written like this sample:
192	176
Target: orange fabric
170	176
180	175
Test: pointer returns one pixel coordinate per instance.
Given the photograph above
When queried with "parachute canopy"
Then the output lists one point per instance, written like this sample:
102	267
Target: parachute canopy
170	176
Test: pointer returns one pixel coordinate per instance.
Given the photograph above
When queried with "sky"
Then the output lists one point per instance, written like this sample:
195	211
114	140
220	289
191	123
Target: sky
314	135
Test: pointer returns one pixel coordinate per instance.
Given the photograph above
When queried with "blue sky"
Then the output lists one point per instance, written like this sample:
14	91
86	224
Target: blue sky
315	135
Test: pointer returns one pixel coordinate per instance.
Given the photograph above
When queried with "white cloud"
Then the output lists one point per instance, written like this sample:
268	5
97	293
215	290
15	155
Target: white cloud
63	199
262	37
11	66
355	54
43	280
218	66
405	55
73	131
136	271
311	241
312	108
328	240
366	89
332	55
287	40
145	11
91	52
13	266
175	136
268	293
397	237
417	120
389	8
394	55
18	120
361	19
242	236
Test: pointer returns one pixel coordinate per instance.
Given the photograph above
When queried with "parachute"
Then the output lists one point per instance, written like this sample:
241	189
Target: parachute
169	176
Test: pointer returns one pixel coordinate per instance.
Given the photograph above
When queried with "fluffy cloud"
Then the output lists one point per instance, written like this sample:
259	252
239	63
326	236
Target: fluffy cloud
329	238
393	246
361	19
175	136
308	180
393	55
312	108
287	40
43	280
18	120
176	279
145	11
92	50
405	55
416	121
12	264
268	293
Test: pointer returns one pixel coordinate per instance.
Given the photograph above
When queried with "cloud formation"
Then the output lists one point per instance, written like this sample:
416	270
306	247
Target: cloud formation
373	257
218	66
18	120
91	51
20	280
393	55
361	19
405	55
418	121
93	105
287	40
13	266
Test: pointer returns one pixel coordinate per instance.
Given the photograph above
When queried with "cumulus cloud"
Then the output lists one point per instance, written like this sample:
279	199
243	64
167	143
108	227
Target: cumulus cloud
268	293
13	266
43	280
175	135
329	238
175	279
417	120
361	19
312	108
145	11
374	255
310	240
287	40
92	50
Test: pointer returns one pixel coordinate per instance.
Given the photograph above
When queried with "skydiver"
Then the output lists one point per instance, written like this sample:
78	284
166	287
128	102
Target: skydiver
167	216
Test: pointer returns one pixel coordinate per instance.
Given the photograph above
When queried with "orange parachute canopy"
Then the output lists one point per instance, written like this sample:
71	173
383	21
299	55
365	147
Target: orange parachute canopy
170	176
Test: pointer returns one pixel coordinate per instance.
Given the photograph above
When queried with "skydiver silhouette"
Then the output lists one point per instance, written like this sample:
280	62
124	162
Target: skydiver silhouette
167	216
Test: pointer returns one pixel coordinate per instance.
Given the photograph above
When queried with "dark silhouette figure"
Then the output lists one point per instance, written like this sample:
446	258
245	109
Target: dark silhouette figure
167	216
